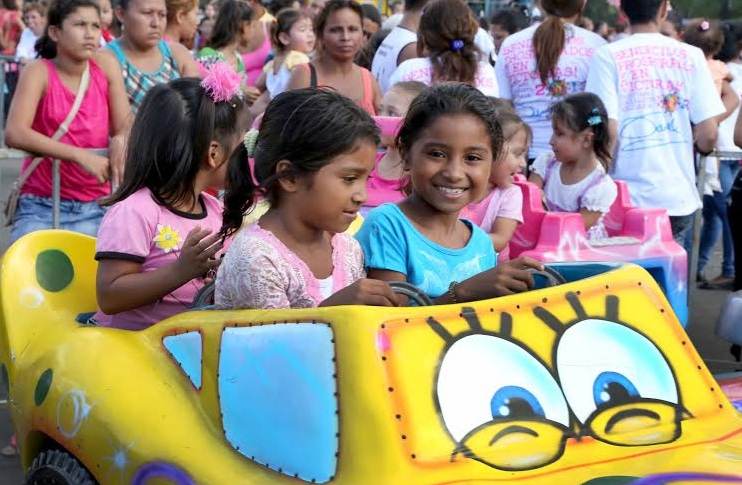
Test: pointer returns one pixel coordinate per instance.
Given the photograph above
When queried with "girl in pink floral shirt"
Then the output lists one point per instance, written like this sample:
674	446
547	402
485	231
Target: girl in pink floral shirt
313	155
157	245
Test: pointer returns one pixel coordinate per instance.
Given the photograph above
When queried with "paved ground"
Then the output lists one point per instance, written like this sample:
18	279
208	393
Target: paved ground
705	306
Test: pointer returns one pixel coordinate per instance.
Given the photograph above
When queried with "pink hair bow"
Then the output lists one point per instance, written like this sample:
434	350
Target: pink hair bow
704	26
221	82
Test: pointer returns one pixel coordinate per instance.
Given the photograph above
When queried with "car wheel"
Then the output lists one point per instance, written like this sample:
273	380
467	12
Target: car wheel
55	467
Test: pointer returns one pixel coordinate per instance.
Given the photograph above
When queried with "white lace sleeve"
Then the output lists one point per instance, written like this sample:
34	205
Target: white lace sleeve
251	276
357	268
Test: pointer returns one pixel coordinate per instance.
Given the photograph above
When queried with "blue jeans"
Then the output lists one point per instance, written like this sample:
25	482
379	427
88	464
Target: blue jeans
681	227
716	220
35	213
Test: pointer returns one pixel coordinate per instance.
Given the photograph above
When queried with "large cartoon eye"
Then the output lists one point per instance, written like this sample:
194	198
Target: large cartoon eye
618	384
484	378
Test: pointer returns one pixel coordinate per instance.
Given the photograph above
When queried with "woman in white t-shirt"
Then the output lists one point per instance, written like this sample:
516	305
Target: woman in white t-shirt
539	65
446	39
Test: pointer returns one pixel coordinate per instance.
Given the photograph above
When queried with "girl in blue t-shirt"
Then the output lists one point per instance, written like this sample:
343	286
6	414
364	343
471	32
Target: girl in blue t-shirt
448	141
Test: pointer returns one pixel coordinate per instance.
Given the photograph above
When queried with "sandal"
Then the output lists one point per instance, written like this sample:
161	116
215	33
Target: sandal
9	451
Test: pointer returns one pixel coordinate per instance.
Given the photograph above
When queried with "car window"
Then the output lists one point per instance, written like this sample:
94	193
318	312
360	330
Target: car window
277	397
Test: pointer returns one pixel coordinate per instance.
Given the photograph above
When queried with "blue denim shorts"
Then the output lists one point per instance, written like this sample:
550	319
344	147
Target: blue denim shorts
35	213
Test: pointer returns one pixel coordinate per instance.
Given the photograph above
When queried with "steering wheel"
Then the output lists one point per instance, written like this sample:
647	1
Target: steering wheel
205	297
552	276
410	291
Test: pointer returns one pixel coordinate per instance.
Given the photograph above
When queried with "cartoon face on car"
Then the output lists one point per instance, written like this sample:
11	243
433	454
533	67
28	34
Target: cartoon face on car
516	404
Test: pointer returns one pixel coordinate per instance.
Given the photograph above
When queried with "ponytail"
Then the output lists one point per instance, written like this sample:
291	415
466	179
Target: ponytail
548	44
550	37
240	194
447	30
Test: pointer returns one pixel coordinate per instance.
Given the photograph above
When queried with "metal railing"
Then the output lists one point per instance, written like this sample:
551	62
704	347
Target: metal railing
14	154
7	64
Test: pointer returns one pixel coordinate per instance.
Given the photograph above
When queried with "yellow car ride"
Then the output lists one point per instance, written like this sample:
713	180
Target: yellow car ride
589	382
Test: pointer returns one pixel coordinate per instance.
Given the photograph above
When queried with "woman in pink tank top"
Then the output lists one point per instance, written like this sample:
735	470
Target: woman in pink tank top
339	30
46	93
256	59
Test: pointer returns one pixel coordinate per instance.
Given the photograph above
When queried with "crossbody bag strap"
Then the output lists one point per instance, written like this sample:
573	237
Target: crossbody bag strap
63	127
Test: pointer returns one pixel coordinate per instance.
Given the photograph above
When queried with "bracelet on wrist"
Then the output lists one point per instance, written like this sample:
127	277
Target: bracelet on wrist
452	292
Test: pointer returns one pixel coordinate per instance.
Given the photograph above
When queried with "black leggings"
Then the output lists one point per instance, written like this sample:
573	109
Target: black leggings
735	221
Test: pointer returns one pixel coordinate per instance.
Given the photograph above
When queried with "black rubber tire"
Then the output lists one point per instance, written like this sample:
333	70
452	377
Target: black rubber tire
56	467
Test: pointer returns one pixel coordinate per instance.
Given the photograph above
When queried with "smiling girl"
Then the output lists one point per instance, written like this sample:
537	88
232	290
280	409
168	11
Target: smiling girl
502	210
339	29
448	142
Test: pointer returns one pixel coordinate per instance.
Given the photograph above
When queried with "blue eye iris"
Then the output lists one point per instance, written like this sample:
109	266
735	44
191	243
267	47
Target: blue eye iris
514	402
612	388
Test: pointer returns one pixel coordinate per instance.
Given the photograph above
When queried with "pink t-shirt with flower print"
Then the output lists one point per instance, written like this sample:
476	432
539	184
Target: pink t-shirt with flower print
259	271
146	231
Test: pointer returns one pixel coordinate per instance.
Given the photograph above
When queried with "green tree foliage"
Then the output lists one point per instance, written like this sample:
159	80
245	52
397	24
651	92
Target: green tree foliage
601	11
724	9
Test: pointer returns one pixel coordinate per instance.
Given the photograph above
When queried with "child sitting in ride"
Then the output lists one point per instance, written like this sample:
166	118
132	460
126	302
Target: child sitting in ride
385	184
159	240
574	177
448	142
313	155
500	212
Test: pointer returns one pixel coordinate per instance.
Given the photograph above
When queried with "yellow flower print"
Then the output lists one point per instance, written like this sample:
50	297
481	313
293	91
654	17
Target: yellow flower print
167	238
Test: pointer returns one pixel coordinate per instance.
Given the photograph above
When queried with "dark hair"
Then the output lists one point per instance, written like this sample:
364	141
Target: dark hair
372	13
365	56
175	6
228	22
550	37
10	4
166	161
577	111
732	42
414	5
501	105
59	10
277	5
445	23
446	100
285	20
331	7
308	127
511	20
706	35
641	11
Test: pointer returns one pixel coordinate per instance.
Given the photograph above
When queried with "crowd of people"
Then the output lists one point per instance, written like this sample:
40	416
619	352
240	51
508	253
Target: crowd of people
271	108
